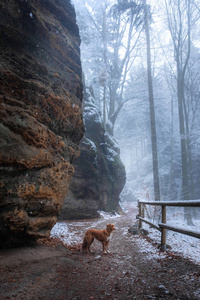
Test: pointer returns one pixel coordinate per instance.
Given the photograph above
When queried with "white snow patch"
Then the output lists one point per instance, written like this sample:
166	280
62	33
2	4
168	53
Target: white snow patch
111	154
150	252
92	113
91	144
61	230
113	139
181	244
107	215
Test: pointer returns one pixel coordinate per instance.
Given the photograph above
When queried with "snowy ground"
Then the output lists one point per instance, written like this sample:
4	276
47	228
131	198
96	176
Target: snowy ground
184	245
187	246
71	233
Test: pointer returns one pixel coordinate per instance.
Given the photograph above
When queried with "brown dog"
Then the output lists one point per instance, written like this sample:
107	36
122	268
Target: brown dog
102	236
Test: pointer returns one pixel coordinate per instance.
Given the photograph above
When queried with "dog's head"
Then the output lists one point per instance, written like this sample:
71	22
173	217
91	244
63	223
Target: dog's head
110	227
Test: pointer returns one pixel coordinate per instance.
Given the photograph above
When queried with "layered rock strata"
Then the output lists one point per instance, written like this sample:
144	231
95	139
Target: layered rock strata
99	173
40	114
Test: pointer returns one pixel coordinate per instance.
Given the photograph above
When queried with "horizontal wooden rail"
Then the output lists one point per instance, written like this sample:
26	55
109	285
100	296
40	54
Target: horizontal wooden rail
150	223
181	230
194	203
163	226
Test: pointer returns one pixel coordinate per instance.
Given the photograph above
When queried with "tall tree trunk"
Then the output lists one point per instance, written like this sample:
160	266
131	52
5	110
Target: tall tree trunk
188	143
169	190
152	110
184	155
185	183
115	73
104	107
178	14
105	64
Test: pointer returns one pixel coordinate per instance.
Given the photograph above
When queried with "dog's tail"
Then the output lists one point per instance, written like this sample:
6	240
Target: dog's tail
85	243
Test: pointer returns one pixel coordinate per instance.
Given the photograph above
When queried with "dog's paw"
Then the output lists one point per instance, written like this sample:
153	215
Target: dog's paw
106	251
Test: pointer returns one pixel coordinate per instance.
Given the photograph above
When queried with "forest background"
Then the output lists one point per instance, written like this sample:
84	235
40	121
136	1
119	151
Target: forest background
141	62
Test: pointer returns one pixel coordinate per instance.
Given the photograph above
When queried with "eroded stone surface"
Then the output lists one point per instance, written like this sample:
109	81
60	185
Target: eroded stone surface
40	114
99	173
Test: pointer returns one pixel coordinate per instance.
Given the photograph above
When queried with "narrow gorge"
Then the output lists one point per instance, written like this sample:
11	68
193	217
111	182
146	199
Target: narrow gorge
41	126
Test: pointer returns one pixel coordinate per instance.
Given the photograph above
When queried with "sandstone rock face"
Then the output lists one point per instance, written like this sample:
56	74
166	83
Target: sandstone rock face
40	114
99	173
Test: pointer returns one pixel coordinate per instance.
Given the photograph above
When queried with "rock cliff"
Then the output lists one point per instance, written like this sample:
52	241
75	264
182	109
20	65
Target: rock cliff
40	114
99	173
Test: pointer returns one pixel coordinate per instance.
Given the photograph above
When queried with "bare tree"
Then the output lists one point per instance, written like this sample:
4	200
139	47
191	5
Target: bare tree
151	105
128	17
179	23
118	28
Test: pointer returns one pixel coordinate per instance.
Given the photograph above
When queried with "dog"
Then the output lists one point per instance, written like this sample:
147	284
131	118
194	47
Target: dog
103	236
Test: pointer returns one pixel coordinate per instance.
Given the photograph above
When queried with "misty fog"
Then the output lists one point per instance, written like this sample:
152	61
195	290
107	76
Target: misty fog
115	63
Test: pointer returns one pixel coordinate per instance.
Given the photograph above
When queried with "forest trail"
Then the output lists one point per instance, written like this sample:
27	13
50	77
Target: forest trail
42	272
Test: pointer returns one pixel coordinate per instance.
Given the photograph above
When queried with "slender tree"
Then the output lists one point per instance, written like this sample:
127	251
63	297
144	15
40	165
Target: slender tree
179	24
118	29
151	106
128	17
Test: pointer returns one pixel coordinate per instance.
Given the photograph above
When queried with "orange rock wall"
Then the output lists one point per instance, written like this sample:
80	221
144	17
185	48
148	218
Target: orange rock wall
40	114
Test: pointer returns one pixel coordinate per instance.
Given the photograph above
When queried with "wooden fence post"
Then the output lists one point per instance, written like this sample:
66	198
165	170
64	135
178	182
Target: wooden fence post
163	233
140	215
143	211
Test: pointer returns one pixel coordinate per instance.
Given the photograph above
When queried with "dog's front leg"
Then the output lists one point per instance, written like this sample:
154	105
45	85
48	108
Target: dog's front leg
107	243
104	247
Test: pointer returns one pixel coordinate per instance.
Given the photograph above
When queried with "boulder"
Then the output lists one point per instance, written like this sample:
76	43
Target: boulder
135	230
40	114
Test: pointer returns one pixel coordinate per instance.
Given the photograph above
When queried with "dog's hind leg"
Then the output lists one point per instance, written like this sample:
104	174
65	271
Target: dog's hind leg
84	245
90	243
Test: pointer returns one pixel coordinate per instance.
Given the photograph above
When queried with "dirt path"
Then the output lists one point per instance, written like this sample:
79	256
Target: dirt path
42	272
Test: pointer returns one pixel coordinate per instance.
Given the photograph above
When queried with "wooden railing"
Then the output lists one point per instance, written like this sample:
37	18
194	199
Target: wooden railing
162	227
